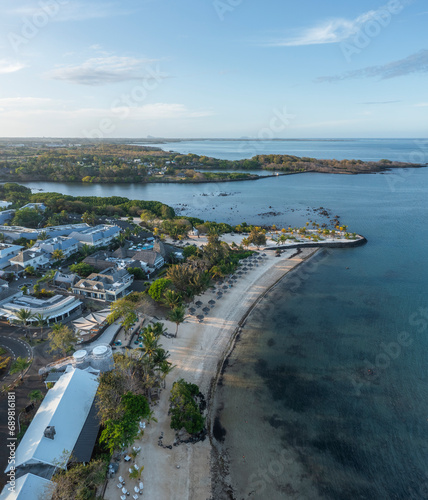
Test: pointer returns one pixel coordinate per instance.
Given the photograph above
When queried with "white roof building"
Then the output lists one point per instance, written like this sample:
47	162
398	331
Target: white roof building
54	431
96	236
29	487
54	309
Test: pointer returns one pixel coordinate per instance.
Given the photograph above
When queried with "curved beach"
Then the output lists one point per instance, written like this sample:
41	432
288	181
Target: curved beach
198	352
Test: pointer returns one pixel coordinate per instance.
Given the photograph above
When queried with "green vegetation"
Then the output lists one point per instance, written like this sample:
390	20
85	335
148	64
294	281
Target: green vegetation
61	338
158	288
19	366
80	481
82	269
184	408
112	162
4	359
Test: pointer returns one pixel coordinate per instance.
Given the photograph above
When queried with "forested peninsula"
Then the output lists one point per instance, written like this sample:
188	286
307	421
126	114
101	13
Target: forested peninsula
102	162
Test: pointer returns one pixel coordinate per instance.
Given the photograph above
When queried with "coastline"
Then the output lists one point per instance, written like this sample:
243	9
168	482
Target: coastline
199	353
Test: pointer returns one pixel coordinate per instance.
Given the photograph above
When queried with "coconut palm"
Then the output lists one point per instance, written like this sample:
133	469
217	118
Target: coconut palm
41	321
57	254
165	368
19	366
24	317
177	316
35	396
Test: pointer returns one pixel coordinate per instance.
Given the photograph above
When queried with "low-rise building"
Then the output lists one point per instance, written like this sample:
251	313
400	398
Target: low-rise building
17	232
35	257
97	236
7	252
65	281
54	309
65	425
35	206
67	245
6	215
29	487
109	285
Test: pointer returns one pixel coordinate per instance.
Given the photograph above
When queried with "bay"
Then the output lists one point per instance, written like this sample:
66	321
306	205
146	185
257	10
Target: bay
324	395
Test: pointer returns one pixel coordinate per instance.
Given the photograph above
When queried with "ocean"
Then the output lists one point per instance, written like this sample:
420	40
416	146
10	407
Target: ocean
326	392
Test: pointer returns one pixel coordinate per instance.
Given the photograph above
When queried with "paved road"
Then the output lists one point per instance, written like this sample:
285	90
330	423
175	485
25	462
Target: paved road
17	347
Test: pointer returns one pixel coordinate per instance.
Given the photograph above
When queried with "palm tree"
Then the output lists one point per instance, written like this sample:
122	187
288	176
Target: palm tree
171	298
150	344
43	235
57	254
24	317
41	321
35	396
19	366
177	316
165	367
85	250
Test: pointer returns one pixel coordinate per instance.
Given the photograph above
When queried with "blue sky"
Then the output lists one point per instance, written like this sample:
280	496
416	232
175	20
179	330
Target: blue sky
214	68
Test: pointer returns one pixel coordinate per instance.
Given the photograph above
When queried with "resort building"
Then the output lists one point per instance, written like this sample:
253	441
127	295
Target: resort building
109	285
5	204
34	257
64	426
7	252
17	232
29	487
97	236
54	309
65	281
6	215
67	245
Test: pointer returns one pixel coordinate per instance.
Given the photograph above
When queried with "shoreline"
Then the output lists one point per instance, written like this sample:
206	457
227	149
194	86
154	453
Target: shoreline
219	465
199	353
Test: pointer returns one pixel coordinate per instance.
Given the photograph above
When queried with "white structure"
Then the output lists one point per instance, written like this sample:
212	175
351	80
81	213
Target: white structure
6	215
29	487
41	207
109	286
16	232
67	245
35	257
97	236
7	252
5	204
54	431
54	309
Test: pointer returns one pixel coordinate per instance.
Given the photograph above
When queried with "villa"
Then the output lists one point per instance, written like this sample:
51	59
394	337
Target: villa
109	285
35	257
67	245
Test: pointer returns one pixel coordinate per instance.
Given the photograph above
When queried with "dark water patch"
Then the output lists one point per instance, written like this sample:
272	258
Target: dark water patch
287	385
271	342
219	432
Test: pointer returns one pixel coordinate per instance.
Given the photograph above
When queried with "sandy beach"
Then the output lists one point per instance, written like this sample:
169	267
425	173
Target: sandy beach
184	472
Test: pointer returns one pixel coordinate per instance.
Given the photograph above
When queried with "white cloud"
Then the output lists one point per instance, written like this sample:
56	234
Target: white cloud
70	11
415	63
331	31
162	111
421	105
10	67
15	102
104	70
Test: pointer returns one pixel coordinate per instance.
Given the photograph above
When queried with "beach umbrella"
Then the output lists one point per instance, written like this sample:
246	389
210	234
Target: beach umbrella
263	254
192	310
206	309
198	303
200	317
212	302
224	287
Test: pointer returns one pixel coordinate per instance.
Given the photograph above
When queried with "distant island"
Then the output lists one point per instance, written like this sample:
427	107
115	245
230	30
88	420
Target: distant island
113	161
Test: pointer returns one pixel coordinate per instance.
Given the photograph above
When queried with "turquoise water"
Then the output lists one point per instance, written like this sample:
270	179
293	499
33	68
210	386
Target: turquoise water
332	392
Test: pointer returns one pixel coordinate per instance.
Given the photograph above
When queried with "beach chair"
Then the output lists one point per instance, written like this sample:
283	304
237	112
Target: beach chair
121	480
119	486
123	497
141	485
135	496
136	489
136	467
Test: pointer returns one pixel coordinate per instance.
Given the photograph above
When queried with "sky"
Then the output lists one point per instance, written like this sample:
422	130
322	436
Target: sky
214	68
